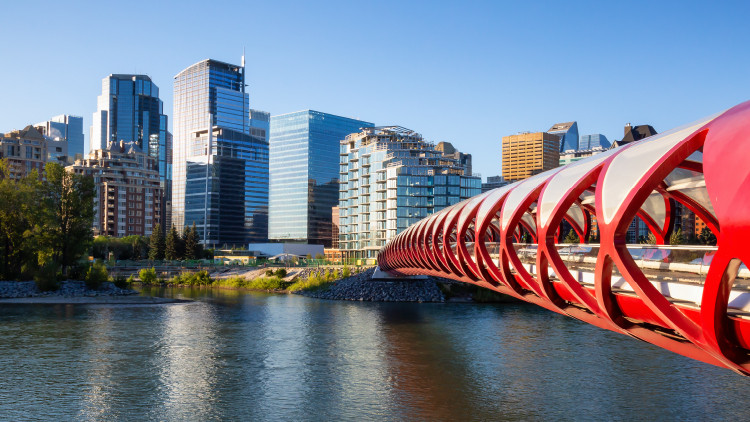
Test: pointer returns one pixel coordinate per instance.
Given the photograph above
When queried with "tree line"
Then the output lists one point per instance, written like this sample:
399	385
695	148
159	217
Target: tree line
157	247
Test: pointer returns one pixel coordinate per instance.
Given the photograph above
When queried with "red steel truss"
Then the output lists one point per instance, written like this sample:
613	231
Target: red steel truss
705	166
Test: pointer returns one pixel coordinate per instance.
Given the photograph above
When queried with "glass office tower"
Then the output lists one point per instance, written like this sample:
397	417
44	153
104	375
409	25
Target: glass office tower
66	128
304	170
220	179
129	111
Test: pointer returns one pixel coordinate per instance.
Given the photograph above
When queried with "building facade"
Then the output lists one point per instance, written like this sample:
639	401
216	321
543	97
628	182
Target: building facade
25	151
220	170
128	190
450	151
390	178
493	182
527	154
568	134
596	140
304	174
67	129
130	112
260	124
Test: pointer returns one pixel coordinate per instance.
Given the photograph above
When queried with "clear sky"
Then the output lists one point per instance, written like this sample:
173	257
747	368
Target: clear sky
464	72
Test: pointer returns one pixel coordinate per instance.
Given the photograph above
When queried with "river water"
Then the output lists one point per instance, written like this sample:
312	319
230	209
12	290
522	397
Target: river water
252	356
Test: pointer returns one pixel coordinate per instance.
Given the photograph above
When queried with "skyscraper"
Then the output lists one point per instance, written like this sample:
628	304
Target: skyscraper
527	154
66	128
220	179
304	170
568	133
130	112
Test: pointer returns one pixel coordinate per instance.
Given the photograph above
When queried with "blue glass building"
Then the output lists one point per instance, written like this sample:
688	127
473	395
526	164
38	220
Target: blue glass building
220	179
589	142
130	111
568	134
304	170
66	128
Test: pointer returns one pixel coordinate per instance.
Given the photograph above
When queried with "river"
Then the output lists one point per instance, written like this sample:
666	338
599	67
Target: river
253	356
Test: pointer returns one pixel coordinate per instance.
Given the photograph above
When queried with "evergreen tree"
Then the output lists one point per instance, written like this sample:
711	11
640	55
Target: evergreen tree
171	245
191	243
572	237
707	237
676	238
156	253
67	215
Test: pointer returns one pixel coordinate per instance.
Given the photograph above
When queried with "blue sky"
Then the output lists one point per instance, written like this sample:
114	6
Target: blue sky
464	72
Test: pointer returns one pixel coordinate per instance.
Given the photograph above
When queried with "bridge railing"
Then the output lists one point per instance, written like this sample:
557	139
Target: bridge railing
679	263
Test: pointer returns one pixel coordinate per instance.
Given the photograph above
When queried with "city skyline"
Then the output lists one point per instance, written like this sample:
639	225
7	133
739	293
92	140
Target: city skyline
475	63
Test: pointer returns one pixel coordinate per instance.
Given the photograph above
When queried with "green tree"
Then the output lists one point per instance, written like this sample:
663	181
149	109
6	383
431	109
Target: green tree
572	237
197	247
156	245
676	238
171	249
67	215
19	213
707	237
193	248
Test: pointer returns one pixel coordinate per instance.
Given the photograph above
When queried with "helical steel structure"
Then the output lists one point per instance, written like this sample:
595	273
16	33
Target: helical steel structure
705	166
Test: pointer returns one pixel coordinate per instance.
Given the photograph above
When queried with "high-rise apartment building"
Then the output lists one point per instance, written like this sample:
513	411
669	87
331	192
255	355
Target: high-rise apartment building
527	154
68	129
130	112
568	134
25	151
220	179
304	170
390	179
128	190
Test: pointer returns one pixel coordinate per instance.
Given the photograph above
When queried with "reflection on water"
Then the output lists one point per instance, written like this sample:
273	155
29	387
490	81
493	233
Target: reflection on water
233	355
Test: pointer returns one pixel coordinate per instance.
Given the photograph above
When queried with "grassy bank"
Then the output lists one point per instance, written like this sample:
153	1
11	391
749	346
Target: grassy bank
272	281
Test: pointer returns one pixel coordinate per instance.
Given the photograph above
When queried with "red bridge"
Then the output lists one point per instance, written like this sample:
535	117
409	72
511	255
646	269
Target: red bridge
692	301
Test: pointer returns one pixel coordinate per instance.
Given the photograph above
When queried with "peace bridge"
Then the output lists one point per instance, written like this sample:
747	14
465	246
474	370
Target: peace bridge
691	300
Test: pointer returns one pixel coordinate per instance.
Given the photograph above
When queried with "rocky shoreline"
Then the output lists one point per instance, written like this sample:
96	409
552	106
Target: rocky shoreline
69	288
361	287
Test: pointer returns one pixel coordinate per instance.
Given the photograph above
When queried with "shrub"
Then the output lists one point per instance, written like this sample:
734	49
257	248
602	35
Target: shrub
46	277
202	278
131	279
280	273
269	273
314	282
265	283
120	282
346	272
95	276
147	275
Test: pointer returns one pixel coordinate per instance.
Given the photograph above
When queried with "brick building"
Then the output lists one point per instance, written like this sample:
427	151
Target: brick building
128	192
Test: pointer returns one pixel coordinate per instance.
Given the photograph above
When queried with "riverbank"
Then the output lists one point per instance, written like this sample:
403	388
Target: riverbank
73	292
361	287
